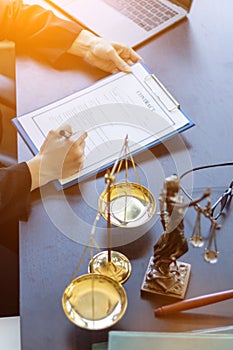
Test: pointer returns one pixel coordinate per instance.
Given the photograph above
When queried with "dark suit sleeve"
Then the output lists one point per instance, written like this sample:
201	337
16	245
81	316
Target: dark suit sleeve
15	185
36	29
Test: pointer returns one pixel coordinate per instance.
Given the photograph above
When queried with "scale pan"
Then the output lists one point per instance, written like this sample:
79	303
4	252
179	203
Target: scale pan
94	301
131	204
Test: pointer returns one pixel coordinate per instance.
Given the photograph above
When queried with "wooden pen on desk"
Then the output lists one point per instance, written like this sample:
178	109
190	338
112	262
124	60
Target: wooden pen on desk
194	302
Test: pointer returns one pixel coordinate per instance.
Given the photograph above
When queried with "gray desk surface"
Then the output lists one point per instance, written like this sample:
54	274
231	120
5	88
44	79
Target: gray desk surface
194	60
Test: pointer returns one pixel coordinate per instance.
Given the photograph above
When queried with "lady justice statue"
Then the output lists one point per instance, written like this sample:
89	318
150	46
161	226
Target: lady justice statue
165	275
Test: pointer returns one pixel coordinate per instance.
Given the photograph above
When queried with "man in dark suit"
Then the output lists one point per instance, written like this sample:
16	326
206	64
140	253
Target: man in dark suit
58	157
35	29
39	31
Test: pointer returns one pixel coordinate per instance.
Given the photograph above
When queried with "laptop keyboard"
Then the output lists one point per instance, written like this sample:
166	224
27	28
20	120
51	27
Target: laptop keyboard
147	14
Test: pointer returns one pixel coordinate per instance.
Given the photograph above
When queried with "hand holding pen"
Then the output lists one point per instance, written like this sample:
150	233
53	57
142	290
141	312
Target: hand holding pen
60	156
75	145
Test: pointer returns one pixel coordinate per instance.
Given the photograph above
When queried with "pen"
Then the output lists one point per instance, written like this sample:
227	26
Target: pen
65	133
194	302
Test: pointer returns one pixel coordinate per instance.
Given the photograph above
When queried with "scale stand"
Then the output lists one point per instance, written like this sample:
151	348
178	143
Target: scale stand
123	204
110	263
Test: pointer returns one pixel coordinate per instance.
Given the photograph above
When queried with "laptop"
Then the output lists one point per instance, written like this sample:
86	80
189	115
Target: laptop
126	21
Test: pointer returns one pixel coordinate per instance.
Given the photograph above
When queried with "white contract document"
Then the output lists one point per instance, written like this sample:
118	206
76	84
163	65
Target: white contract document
134	104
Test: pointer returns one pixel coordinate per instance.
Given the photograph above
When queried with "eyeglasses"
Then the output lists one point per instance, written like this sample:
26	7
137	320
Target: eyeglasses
212	212
223	201
216	210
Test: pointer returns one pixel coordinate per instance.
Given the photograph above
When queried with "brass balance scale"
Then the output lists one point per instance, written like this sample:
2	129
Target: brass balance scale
97	300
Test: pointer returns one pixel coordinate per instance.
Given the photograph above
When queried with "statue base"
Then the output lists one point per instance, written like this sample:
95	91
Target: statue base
173	285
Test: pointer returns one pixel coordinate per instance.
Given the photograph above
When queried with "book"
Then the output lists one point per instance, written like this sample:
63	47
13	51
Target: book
170	341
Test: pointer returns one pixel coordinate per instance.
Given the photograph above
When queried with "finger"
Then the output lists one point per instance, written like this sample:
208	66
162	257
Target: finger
135	57
65	131
130	62
66	127
78	145
51	135
127	52
78	149
80	160
79	137
119	62
77	160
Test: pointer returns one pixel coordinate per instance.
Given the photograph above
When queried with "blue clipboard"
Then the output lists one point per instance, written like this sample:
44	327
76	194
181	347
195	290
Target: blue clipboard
151	87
